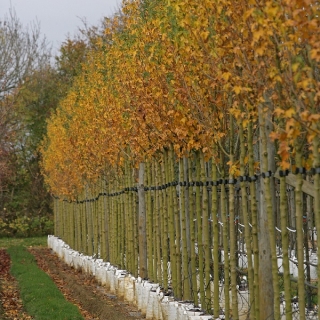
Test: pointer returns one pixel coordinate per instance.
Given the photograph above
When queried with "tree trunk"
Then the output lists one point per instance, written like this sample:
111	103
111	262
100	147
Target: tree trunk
216	247
184	234
285	248
246	222
268	273
143	272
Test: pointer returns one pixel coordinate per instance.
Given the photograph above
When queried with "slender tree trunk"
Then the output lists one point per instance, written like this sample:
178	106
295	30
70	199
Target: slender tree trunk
149	220
192	237
128	219
254	221
200	232
299	224
172	245
143	272
155	244
205	229
185	257
104	225
216	247
164	226
246	222
285	247
123	227
225	236
232	230
90	224
136	227
95	224
177	226
158	225
106	204
269	279
316	166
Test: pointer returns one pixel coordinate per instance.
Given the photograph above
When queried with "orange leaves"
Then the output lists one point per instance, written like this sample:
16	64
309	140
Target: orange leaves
315	54
285	113
258	34
248	13
226	76
176	75
234	169
271	9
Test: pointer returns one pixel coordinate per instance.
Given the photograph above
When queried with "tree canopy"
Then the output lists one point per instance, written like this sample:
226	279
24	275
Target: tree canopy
180	73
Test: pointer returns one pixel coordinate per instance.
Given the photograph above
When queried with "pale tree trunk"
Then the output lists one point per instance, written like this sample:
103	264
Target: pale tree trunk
187	204
84	225
232	229
177	226
199	232
268	272
316	166
143	272
285	247
254	221
123	226
184	235
155	243
171	224
158	225
205	231
135	208
215	205
149	223
106	206
89	224
299	224
225	235
164	226
128	219
104	223
246	221
193	266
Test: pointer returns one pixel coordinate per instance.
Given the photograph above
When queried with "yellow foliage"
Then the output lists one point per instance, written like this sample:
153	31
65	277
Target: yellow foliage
179	75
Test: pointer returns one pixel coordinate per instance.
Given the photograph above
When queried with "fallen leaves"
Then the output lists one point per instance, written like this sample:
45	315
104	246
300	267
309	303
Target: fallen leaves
11	304
82	290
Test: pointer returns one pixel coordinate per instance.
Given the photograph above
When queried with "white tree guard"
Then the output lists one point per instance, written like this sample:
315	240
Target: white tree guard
146	296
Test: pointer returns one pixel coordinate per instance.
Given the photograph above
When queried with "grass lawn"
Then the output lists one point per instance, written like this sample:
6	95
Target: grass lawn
25	242
41	298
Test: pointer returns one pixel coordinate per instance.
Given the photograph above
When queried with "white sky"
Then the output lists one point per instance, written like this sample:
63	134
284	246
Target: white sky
60	18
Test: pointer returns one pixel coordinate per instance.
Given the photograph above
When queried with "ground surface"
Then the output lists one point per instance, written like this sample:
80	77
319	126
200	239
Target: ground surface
82	290
10	302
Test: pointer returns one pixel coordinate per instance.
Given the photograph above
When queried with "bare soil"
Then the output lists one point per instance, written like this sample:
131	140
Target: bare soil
83	290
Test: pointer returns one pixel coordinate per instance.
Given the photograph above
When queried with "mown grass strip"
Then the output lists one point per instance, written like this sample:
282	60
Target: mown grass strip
40	296
6	242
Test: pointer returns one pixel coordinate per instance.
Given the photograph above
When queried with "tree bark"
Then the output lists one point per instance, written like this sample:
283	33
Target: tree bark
143	271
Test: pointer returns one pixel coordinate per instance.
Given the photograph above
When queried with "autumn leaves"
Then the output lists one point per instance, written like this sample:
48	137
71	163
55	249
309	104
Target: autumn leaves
229	87
179	74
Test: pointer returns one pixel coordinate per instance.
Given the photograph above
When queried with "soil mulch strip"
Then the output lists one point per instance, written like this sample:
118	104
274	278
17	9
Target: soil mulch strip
83	290
11	305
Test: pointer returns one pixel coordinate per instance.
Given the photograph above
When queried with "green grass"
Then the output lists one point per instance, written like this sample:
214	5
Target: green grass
41	298
26	242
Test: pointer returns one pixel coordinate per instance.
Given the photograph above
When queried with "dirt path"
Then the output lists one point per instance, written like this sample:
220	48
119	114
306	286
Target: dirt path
83	290
10	302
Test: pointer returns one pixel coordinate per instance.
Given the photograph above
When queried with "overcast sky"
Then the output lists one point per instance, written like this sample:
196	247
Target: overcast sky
60	18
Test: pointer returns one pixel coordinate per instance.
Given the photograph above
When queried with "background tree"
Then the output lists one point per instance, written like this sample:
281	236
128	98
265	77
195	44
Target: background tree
22	51
32	84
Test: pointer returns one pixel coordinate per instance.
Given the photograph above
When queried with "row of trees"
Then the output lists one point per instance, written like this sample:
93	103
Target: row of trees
186	76
237	82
